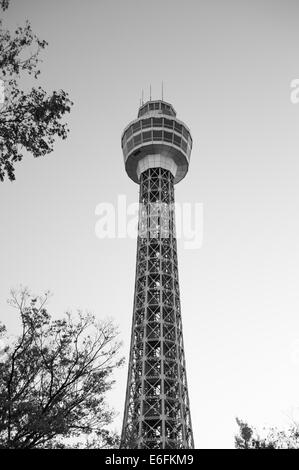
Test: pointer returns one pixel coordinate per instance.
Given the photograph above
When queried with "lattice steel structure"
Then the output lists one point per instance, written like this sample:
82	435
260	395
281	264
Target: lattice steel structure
157	150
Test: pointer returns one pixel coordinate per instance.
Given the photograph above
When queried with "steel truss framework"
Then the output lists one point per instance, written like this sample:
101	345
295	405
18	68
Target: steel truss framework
157	412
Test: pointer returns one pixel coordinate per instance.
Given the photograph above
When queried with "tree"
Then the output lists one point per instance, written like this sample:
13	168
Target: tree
54	377
29	121
249	438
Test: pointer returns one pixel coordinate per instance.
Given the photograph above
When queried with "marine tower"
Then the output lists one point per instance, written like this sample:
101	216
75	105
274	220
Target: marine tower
156	148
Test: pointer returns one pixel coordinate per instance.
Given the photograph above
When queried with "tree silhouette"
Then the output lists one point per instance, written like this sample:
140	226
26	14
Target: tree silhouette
29	121
54	377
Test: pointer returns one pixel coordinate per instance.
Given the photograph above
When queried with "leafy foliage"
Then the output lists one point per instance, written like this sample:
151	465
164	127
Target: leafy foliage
249	438
29	121
4	4
54	378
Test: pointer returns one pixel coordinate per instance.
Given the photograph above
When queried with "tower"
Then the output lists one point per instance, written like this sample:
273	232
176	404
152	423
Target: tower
156	148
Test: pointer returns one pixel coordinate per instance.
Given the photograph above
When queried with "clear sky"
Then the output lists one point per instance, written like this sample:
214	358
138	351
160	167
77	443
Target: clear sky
227	68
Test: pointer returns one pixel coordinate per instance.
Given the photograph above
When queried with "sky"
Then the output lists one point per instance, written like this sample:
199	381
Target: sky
227	68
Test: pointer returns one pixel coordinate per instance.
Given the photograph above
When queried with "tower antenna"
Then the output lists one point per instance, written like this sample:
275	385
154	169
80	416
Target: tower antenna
150	92
162	90
142	96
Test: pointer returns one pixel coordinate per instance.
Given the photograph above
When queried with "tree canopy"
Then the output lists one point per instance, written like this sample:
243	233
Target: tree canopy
29	120
54	378
273	438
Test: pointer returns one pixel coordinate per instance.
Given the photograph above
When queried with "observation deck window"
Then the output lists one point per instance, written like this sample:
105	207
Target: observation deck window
185	133
130	144
129	132
157	122
167	110
177	140
147	136
136	126
167	136
146	123
157	135
168	123
177	127
137	139
184	145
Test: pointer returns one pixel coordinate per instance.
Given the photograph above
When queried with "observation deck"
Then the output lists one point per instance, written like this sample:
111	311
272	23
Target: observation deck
156	139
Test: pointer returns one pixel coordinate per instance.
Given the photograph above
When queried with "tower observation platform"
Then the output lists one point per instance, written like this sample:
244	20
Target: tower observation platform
155	137
156	148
